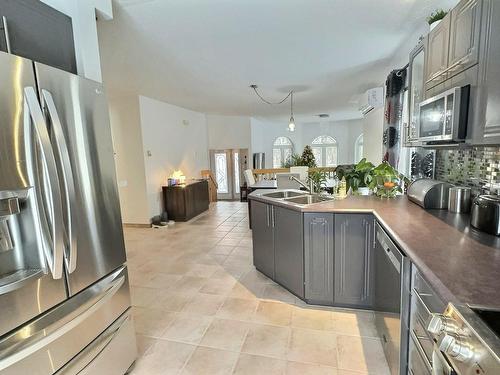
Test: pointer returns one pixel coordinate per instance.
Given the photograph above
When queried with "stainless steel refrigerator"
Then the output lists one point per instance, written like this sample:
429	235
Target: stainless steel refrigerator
64	295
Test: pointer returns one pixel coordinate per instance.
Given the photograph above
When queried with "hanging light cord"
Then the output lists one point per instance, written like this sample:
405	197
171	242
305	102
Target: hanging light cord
254	87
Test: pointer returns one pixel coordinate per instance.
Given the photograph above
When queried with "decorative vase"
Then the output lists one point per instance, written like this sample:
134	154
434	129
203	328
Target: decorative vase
364	191
434	24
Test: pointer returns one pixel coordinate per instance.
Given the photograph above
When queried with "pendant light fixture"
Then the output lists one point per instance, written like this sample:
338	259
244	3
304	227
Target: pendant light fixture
291	123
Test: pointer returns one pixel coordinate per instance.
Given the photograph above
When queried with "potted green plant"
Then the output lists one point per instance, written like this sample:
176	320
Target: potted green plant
292	161
387	181
435	17
358	177
318	179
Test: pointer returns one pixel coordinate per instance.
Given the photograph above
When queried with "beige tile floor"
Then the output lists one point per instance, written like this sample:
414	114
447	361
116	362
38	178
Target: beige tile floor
200	307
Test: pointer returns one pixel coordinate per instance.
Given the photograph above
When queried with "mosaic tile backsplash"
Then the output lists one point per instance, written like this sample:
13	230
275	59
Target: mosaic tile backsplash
476	167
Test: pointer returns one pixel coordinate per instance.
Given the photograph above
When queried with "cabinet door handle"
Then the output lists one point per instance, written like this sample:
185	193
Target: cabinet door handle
7	36
267	215
272	216
374	233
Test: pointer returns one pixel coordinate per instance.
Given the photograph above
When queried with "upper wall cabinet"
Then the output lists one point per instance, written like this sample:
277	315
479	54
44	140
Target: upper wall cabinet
464	36
32	29
453	45
416	68
488	90
437	53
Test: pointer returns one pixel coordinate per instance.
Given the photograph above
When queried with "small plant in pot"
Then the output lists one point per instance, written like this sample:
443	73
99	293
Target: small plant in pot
387	182
359	177
435	17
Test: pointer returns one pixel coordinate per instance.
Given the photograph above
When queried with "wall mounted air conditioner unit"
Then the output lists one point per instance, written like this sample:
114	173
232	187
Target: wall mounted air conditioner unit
373	98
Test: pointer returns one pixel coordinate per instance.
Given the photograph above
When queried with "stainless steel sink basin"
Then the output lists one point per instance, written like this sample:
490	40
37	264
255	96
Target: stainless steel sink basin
308	199
283	194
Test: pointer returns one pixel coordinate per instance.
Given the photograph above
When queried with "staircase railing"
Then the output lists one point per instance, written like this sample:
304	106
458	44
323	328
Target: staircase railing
270	173
212	184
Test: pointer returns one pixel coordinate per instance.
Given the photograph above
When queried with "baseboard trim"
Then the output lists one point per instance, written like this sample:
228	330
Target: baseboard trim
131	225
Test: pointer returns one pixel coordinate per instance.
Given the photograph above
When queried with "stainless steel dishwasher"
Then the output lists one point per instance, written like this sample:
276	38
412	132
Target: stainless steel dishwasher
392	293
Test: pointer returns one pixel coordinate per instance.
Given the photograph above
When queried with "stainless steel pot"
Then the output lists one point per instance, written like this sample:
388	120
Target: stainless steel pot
459	200
485	214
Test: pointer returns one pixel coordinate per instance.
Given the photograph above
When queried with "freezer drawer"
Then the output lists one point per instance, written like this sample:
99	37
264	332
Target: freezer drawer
112	353
50	341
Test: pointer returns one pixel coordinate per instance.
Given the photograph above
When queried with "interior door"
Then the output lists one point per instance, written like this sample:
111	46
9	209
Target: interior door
31	278
221	165
228	167
78	107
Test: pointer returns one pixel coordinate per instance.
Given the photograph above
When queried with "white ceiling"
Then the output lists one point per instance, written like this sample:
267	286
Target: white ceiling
203	54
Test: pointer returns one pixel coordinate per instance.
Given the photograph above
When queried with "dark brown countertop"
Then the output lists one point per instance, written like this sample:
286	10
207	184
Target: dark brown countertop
462	264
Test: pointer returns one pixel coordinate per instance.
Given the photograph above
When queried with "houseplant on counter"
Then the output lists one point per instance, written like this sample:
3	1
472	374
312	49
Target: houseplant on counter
387	181
435	17
358	177
318	179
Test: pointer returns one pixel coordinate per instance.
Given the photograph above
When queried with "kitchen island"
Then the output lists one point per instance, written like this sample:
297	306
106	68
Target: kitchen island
407	264
461	263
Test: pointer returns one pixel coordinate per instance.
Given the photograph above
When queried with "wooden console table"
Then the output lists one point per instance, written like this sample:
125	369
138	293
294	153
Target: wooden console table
183	202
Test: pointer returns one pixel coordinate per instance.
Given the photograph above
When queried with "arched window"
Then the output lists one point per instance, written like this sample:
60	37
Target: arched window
325	151
358	148
282	151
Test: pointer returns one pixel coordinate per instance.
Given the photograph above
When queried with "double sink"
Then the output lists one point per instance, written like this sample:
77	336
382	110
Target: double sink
296	197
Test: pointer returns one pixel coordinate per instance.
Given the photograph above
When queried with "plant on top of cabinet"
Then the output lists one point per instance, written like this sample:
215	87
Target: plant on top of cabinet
435	17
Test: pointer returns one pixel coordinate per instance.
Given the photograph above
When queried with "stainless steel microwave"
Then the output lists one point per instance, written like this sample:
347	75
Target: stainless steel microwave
443	118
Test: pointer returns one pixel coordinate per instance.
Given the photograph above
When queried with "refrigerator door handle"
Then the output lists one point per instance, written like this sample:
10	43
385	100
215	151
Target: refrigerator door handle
55	234
45	331
61	149
7	35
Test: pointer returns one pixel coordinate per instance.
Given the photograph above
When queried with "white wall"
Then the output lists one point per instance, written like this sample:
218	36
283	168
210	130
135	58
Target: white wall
125	121
373	125
176	138
83	14
345	132
229	132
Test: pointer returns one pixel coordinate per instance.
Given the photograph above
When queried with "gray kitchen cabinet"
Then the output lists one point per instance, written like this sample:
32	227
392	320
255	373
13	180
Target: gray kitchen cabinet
488	88
38	32
437	53
416	92
288	250
465	30
262	238
319	257
354	260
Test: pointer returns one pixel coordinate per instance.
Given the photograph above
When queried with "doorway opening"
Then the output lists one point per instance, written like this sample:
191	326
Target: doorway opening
228	166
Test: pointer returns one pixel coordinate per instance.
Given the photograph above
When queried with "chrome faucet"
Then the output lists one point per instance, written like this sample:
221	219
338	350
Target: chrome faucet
309	188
